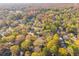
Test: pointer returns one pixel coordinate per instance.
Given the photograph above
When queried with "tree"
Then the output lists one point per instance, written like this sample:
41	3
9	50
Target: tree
45	50
14	50
25	44
20	37
37	54
27	53
53	41
70	50
37	49
50	44
48	38
54	50
57	23
62	51
19	16
9	38
38	42
56	38
76	43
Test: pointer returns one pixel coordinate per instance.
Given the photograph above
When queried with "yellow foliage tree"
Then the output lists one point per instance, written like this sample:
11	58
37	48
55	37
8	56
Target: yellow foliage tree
50	44
37	54
76	43
56	37
62	51
53	49
53	42
14	49
9	38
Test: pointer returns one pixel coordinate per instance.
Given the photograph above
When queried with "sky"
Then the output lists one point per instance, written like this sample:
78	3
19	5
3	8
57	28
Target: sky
39	1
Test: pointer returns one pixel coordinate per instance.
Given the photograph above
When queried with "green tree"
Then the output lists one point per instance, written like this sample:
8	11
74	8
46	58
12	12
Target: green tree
26	44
